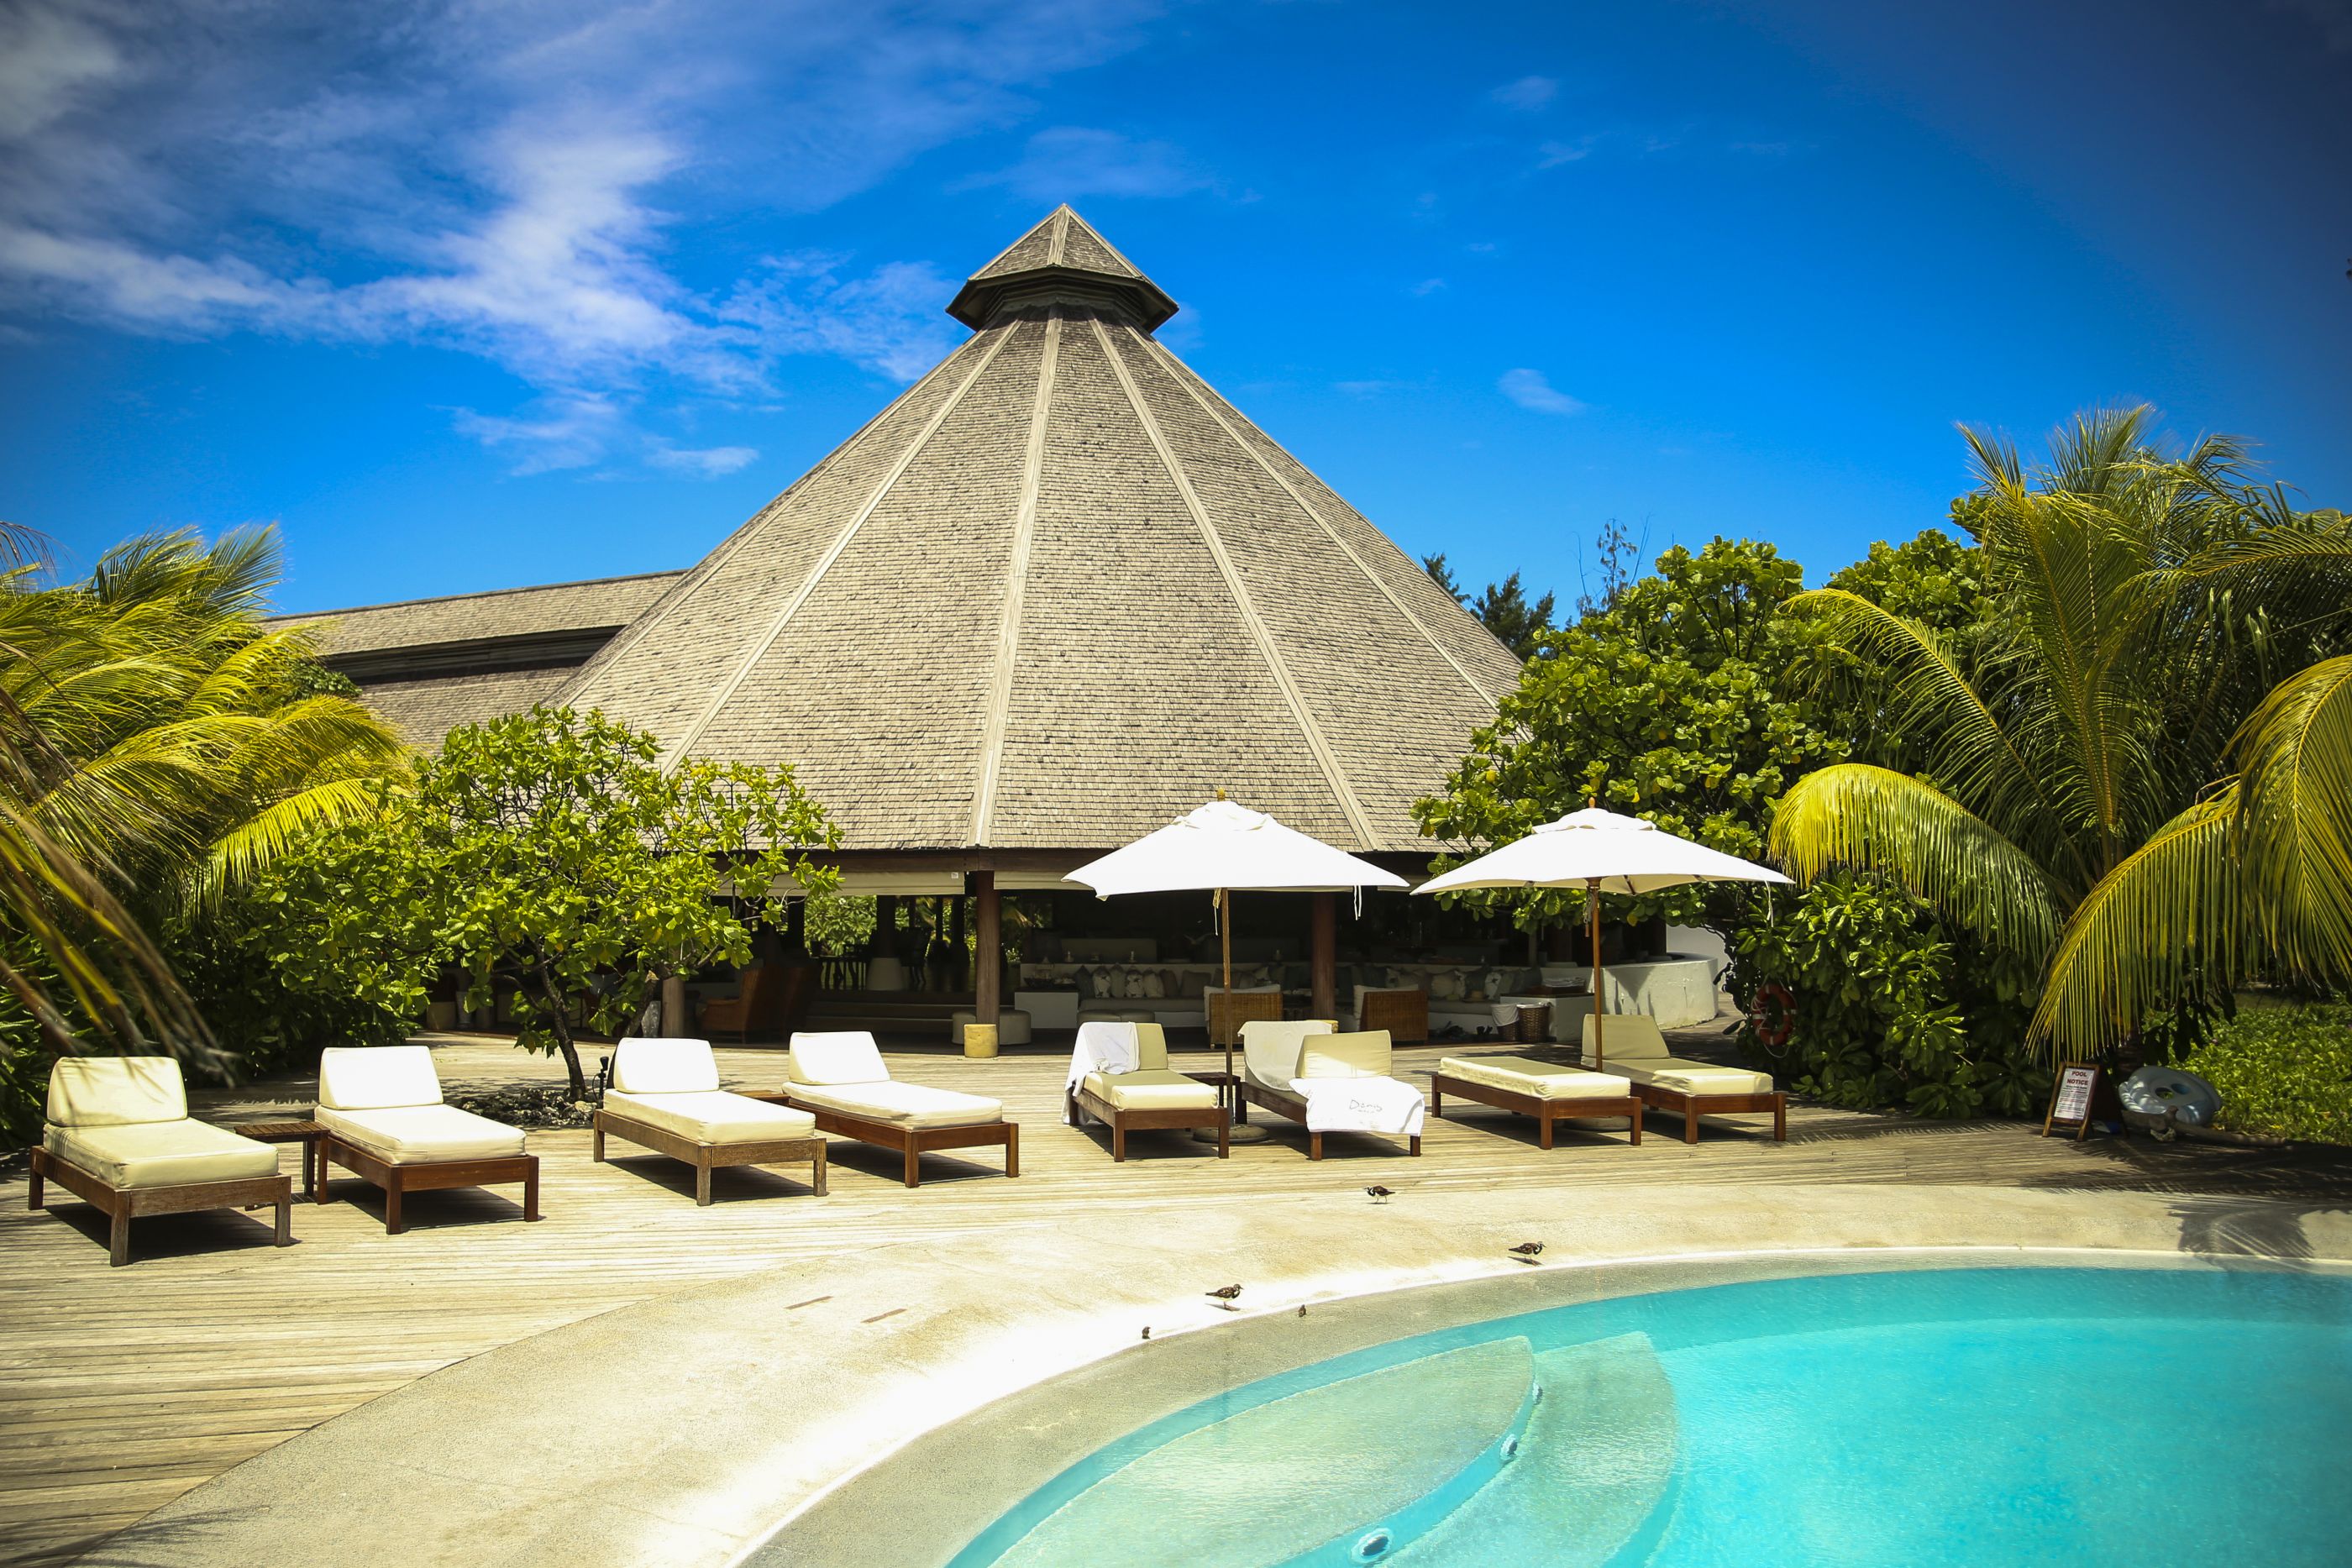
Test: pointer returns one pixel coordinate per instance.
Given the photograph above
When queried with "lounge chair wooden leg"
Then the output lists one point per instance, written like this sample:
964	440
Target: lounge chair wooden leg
1436	1100
530	1191
1314	1145
1543	1128
286	1217
33	1188
117	1236
1780	1118
702	1181
1224	1136
1118	1139
596	1145
1012	1150
1637	1123
393	1221
816	1178
1414	1147
914	1163
1690	1122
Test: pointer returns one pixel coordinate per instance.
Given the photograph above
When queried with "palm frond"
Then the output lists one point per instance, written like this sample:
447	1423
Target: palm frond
2297	825
1876	820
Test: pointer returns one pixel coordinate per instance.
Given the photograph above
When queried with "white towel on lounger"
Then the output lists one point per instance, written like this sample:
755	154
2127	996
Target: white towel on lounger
1385	1105
1109	1049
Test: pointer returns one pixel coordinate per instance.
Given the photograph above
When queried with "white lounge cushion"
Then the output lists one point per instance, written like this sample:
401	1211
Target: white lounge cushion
1151	1045
422	1135
1270	1049
641	1066
116	1091
713	1117
376	1078
1544	1079
1695	1077
846	1056
1633	1036
161	1153
1365	1054
902	1105
1152	1089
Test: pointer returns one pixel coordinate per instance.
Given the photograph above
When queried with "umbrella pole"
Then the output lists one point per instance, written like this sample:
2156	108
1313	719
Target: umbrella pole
1225	928
1593	900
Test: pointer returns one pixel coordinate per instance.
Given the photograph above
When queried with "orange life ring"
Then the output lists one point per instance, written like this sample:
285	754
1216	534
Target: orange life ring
1775	1015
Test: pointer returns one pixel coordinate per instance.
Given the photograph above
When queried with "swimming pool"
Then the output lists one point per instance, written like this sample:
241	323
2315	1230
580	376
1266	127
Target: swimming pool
1965	1415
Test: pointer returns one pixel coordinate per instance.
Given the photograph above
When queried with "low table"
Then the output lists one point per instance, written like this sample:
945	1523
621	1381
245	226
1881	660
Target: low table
1228	1086
306	1133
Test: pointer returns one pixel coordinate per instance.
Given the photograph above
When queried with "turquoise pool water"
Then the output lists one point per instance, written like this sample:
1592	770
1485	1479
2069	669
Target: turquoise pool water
1949	1416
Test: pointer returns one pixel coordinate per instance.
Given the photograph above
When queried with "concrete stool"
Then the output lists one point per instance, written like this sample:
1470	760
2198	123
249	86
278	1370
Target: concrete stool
1011	1027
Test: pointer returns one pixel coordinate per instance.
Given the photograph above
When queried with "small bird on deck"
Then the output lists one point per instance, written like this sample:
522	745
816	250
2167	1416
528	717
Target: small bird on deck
1302	1308
1378	1193
1226	1293
1527	1251
1146	1330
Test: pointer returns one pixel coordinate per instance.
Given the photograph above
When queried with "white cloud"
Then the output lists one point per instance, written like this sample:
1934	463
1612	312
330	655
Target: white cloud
1427	287
1552	154
1528	94
1069	162
1532	389
708	463
515	181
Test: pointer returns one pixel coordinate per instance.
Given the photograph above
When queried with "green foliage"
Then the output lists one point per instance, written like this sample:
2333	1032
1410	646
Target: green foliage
1442	575
836	924
568	865
1504	607
1885	1008
2282	1071
1664	705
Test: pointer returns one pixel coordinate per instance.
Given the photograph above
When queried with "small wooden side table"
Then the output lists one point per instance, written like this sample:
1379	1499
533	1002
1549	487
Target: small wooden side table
306	1133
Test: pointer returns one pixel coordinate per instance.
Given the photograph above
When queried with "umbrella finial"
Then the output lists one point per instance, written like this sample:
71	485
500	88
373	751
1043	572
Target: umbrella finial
1221	791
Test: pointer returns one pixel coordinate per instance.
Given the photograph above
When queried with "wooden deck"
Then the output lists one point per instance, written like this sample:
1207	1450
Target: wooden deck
121	1388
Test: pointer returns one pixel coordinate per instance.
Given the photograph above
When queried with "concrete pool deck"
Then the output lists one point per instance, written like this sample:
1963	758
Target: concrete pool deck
688	1428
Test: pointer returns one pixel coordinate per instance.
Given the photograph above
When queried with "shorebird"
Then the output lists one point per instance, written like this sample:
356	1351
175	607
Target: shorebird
1226	1293
1378	1193
1527	1252
1146	1330
1302	1308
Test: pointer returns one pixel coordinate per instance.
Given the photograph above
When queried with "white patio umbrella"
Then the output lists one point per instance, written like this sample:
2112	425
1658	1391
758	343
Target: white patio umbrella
1599	851
1224	848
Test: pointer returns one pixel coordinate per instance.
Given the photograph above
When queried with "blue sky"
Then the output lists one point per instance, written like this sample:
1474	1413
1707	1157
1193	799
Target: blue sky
469	296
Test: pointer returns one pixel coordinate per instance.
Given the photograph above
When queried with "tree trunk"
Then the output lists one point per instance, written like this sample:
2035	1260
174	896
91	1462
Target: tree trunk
559	1018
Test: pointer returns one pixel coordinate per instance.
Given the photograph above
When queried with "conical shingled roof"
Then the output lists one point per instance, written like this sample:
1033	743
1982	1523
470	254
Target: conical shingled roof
1054	596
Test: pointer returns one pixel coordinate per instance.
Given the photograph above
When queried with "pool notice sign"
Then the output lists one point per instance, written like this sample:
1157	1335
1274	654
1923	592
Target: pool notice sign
2070	1098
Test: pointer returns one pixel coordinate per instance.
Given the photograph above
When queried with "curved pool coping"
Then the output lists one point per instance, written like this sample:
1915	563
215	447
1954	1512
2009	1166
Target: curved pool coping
879	1408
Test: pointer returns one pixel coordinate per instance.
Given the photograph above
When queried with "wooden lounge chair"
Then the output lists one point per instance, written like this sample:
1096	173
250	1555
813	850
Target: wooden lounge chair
665	1097
119	1138
841	1081
386	1125
1634	1047
1308	1049
1546	1091
1151	1097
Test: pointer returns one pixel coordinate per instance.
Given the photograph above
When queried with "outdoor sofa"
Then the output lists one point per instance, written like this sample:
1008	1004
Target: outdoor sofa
840	1078
665	1097
1546	1091
1149	1097
1633	1047
386	1123
1276	1056
118	1137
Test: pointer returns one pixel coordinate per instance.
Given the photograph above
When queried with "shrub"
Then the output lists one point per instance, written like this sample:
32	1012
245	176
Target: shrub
2282	1071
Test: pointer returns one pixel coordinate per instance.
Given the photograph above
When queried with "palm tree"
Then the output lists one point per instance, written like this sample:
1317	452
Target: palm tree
2138	777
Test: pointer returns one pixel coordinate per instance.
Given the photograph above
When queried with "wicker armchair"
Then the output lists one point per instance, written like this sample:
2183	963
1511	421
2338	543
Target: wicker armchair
1404	1014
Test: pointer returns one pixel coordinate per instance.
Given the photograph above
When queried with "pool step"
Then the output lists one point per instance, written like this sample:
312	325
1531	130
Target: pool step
1590	1476
1303	1478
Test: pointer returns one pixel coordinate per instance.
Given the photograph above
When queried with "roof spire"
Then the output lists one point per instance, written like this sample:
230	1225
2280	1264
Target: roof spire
1062	261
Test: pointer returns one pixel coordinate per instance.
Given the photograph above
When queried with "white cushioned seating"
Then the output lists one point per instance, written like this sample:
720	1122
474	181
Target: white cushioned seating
1631	1045
1152	1047
713	1116
1151	1089
115	1091
386	1099
1271	1049
641	1066
902	1105
422	1135
1363	1054
159	1154
1544	1079
124	1119
841	1056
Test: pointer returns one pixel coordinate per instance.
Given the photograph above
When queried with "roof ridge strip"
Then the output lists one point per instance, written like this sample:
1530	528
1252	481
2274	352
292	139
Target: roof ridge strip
824	563
1259	631
478	594
1017	579
1185	375
1057	247
727	548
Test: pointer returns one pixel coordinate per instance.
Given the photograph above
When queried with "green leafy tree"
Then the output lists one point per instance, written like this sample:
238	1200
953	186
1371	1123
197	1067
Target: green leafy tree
1516	624
1664	705
572	868
1441	574
2134	776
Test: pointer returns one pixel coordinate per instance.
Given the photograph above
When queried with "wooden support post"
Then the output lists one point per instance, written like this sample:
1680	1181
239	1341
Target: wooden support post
885	925
796	927
1323	957
987	958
